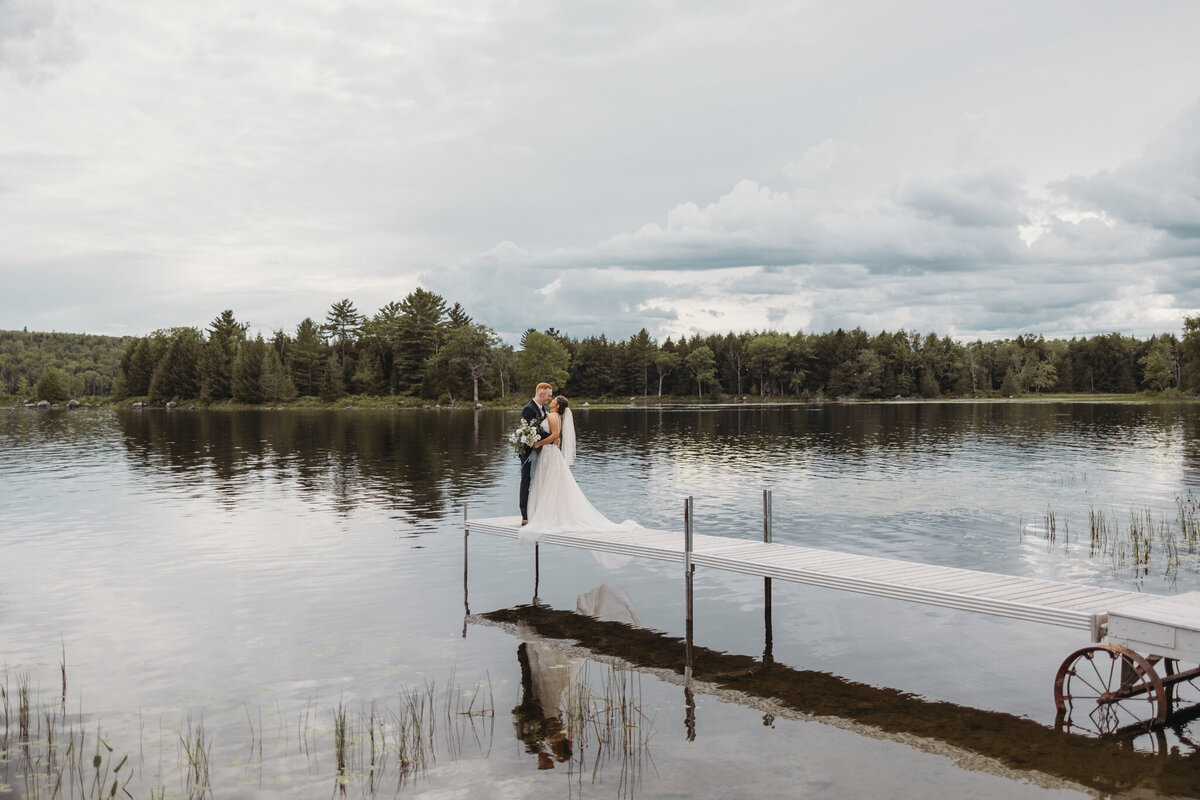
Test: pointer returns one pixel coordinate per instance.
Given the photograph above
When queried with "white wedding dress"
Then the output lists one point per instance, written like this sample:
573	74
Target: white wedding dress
558	505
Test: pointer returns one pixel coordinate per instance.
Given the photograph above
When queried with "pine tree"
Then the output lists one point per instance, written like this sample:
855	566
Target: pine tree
275	379
368	377
421	330
332	386
342	325
385	329
216	360
175	376
457	317
306	357
247	371
141	369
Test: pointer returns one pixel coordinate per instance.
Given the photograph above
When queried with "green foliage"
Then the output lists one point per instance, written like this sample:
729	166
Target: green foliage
51	386
1161	365
342	325
1189	353
1009	387
275	379
665	363
175	376
307	357
702	364
929	385
466	357
248	371
640	352
143	357
420	330
225	336
333	387
421	347
88	363
544	358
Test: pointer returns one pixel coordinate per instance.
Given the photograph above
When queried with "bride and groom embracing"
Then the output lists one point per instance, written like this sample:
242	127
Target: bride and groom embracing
551	501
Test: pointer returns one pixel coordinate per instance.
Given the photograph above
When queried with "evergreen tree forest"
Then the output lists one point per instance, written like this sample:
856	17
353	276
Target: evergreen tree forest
424	349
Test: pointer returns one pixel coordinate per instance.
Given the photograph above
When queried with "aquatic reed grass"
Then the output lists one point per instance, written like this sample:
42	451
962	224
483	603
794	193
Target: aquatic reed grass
1149	542
49	759
610	725
339	743
44	756
196	750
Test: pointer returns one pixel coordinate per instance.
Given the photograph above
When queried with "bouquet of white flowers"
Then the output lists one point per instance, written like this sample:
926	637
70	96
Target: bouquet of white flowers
523	437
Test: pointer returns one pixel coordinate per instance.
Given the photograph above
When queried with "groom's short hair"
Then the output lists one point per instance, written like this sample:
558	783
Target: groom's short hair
541	386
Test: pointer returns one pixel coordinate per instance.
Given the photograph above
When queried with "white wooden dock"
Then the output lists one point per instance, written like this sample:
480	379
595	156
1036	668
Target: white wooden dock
1064	604
1116	688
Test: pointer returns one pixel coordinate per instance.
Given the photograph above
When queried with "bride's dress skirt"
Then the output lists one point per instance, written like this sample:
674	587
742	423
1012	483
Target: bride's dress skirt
558	505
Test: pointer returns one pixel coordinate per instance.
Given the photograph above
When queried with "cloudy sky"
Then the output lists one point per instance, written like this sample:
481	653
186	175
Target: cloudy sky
976	169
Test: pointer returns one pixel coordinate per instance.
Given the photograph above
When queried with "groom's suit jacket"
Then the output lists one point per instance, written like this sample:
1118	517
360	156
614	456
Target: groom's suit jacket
533	413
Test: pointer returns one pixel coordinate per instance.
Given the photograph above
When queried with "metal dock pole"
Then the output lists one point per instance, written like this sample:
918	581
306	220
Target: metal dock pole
688	569
466	554
768	654
689	699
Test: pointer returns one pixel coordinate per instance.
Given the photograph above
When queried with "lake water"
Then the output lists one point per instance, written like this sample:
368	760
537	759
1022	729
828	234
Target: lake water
251	573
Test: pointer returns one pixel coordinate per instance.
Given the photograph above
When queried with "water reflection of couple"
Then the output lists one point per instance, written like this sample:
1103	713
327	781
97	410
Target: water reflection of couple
548	676
551	501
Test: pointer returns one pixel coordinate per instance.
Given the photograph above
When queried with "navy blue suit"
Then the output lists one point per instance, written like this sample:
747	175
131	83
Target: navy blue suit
533	413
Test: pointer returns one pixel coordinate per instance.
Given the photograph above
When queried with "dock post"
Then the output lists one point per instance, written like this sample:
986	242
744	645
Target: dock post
688	569
689	699
466	554
768	649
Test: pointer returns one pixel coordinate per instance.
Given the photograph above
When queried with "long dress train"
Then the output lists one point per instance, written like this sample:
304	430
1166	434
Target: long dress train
558	505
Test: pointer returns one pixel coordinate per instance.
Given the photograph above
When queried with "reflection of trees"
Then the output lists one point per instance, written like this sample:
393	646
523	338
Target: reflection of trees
723	433
418	463
1014	743
421	462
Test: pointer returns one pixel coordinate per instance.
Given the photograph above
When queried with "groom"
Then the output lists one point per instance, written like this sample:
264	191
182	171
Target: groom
533	412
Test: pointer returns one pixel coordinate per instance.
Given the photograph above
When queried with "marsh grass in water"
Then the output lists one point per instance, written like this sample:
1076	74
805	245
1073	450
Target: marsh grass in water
1137	544
609	725
46	754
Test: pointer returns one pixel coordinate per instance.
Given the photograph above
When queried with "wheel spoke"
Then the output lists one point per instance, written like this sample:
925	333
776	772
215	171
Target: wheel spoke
1086	683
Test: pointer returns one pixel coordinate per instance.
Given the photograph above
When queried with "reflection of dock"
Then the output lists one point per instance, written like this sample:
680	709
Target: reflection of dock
976	739
1115	688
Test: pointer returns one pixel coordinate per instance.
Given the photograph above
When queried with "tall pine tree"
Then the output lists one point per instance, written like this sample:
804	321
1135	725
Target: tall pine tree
306	357
247	371
216	358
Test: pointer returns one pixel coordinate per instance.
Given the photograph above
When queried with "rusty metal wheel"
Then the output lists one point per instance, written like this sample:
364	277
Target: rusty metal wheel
1106	690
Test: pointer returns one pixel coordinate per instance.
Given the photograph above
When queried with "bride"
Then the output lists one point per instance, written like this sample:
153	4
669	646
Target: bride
556	503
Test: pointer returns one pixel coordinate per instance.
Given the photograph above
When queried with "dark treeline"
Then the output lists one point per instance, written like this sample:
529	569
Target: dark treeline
422	347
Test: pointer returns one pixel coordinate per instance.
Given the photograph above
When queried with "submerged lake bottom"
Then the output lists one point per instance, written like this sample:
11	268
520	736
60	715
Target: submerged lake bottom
268	604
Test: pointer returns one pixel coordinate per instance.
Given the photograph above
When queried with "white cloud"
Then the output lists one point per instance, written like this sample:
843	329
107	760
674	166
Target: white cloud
973	168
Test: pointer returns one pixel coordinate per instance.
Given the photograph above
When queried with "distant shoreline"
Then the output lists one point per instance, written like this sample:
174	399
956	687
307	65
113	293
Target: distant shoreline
512	404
